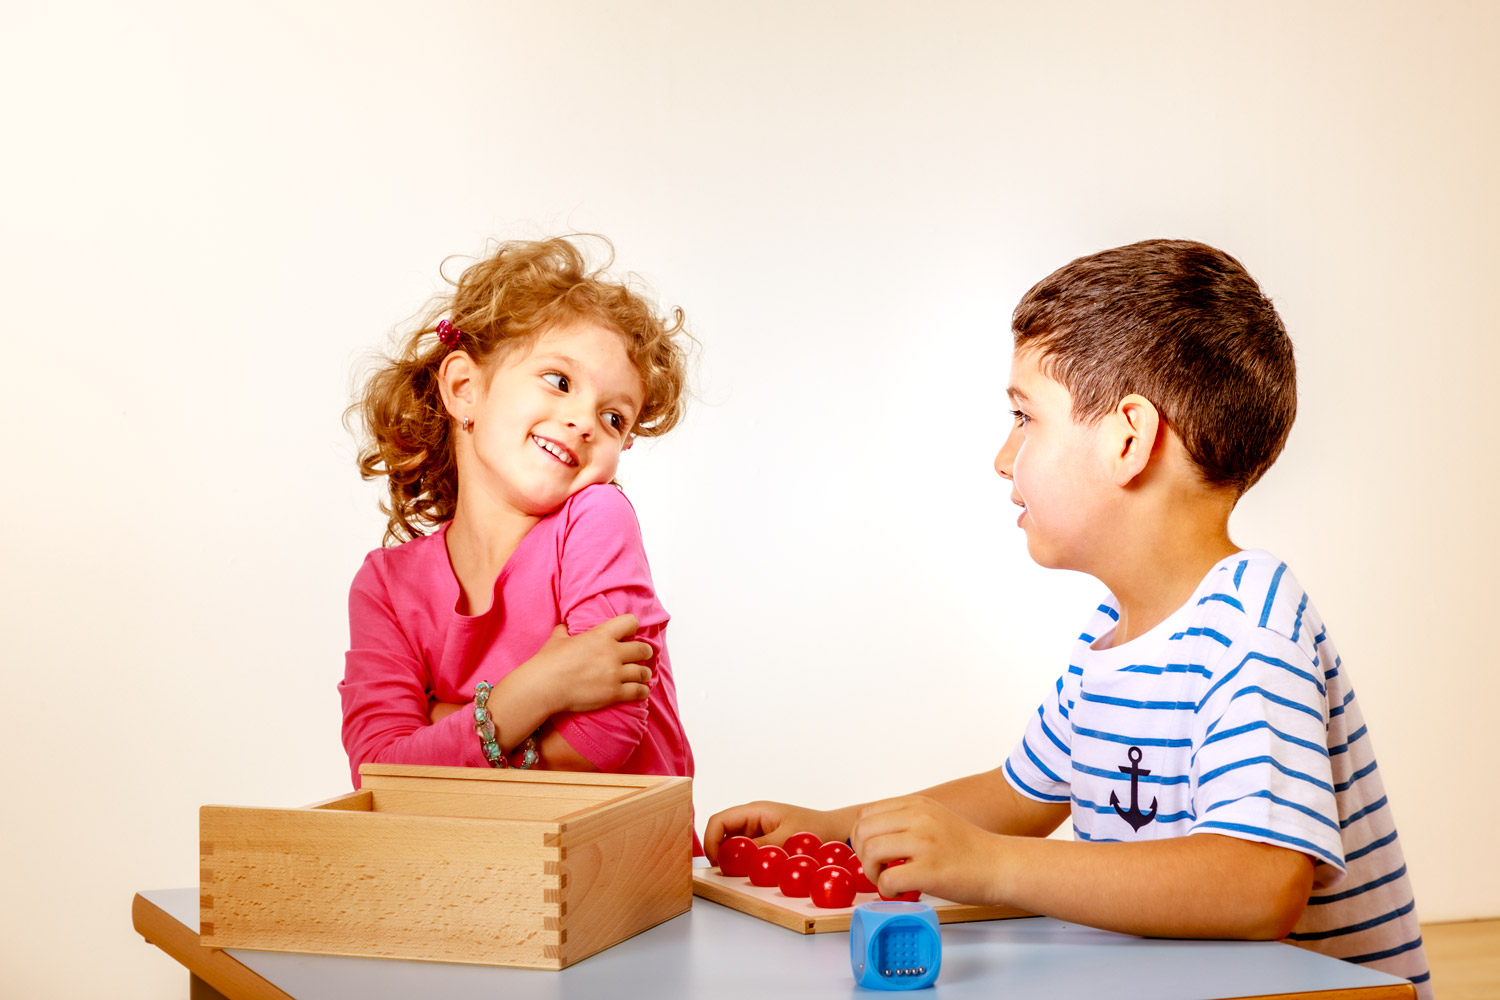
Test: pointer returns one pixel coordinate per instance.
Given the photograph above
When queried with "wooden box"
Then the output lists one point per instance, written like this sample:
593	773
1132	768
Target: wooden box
452	864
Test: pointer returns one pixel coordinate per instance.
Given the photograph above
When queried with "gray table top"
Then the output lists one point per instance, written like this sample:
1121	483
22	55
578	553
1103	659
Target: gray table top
715	951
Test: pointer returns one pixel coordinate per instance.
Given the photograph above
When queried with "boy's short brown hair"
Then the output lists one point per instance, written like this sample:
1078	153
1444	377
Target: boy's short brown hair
1182	324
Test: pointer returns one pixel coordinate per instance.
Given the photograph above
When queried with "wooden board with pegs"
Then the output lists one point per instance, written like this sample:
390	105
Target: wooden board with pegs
802	916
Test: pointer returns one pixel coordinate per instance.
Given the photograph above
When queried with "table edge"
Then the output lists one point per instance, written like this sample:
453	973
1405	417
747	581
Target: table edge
237	981
212	965
1381	991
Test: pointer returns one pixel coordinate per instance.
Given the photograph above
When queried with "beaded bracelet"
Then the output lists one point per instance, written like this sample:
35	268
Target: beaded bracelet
484	726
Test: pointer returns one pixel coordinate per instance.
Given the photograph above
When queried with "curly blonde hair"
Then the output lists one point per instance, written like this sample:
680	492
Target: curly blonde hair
500	304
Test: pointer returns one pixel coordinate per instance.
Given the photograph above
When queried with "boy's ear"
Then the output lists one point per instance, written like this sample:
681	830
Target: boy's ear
1137	425
458	380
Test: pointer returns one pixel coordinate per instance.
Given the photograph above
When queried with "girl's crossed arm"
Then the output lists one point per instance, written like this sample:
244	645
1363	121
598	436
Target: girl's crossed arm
586	691
603	573
389	718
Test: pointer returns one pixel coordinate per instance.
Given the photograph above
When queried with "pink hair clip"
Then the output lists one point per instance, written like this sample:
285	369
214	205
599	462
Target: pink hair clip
448	333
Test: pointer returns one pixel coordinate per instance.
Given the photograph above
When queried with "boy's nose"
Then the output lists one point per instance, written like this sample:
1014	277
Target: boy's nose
1006	456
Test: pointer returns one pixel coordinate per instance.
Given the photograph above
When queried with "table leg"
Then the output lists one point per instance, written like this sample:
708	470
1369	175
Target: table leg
199	990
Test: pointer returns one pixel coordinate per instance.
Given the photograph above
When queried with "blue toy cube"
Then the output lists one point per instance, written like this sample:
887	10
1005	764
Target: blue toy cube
894	946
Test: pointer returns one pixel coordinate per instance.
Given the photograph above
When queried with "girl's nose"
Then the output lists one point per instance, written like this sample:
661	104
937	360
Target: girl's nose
580	416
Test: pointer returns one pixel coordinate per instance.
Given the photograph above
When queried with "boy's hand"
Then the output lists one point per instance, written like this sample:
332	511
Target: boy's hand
593	669
944	854
770	823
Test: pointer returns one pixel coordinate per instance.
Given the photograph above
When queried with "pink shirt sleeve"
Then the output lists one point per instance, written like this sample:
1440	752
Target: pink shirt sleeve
603	574
384	691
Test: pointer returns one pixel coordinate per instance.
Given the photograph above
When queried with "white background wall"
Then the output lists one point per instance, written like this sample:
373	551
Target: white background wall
212	213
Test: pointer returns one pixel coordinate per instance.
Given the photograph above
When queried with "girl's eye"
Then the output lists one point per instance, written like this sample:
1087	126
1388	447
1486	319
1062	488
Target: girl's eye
615	420
557	381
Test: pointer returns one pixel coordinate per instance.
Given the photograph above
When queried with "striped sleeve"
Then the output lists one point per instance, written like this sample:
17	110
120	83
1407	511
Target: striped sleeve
1040	766
1260	764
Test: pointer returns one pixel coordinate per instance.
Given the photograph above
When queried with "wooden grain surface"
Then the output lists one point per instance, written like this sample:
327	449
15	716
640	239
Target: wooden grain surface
350	801
1401	991
1465	959
625	869
387	885
467	865
508	794
802	916
212	966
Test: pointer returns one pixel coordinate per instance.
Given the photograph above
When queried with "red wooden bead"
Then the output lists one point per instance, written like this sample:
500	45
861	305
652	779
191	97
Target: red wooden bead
803	843
797	876
765	867
735	854
832	887
862	881
834	853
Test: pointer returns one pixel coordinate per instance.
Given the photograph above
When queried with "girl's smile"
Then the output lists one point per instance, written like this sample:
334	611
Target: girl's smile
557	451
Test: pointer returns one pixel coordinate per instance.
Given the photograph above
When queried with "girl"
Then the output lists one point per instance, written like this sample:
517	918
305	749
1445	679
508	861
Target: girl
516	623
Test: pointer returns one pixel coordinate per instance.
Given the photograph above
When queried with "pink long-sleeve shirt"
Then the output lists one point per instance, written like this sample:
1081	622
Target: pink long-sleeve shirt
581	565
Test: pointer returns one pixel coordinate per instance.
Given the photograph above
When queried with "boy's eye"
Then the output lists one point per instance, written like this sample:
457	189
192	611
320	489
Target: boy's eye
557	380
1020	417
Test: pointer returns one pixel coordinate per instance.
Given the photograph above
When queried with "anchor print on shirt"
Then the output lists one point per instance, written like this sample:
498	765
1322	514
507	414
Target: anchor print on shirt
1133	815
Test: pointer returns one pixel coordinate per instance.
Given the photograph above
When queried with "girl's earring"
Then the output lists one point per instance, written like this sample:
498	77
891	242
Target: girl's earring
468	424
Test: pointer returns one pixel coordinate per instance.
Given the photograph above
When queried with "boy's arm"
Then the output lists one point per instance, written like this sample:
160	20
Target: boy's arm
1200	886
986	800
977	840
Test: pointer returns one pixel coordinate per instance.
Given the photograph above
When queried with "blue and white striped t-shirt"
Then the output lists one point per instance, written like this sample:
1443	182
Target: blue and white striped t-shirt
1234	716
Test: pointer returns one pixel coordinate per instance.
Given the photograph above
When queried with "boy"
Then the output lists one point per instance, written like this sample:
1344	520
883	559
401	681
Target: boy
1204	737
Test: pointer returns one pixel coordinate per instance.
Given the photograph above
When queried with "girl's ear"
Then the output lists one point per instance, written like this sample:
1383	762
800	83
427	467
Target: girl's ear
458	380
1137	425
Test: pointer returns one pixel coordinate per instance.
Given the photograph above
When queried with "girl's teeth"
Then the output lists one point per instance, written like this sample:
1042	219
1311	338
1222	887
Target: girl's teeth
553	449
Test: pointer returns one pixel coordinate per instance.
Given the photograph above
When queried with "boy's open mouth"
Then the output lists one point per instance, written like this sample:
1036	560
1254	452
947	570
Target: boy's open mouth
554	449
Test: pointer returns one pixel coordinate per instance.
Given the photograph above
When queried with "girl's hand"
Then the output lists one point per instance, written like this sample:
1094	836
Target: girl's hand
580	673
771	823
593	669
944	854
